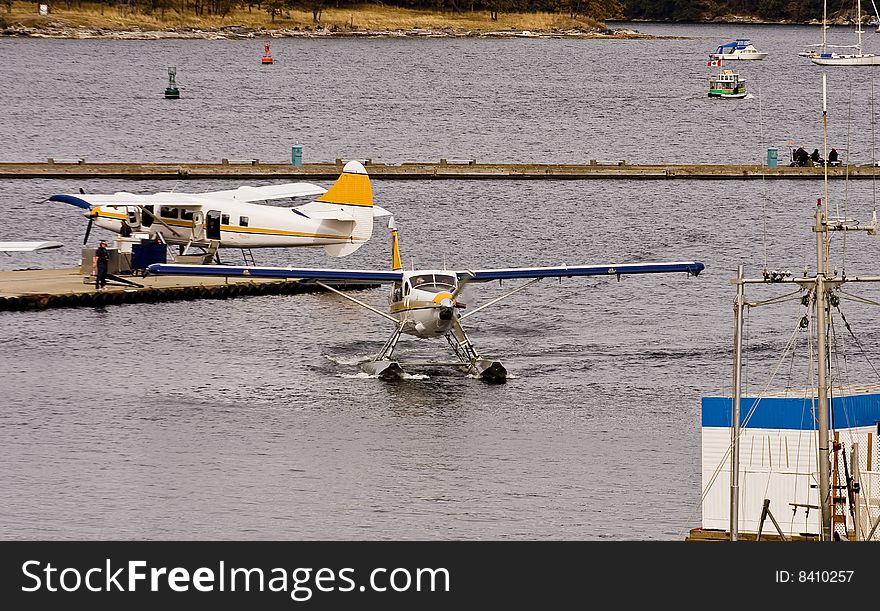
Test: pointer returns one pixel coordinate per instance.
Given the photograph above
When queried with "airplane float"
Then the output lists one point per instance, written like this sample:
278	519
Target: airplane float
424	302
27	246
340	219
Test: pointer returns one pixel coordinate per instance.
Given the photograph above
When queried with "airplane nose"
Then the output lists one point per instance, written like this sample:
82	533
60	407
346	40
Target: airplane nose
447	307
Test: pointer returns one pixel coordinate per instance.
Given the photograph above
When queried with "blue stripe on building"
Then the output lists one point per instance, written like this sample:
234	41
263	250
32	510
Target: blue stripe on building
792	413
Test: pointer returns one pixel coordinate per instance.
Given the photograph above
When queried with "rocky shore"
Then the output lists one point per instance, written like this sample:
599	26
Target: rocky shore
57	30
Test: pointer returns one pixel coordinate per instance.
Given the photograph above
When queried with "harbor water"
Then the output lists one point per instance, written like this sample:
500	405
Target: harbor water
248	418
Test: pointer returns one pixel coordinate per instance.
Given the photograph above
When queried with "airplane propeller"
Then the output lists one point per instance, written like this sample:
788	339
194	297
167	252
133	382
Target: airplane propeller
91	221
461	285
89	228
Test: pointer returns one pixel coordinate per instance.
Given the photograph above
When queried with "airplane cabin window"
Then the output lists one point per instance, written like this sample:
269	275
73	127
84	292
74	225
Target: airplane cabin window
224	219
186	215
243	221
444	282
167	212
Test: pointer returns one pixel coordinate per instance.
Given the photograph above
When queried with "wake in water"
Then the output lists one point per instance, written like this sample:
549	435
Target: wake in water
366	376
350	361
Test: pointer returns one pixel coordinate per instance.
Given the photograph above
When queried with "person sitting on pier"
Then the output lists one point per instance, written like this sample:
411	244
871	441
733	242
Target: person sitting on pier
815	158
99	262
801	157
832	157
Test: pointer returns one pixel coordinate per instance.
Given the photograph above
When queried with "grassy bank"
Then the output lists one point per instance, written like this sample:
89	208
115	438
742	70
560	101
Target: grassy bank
368	17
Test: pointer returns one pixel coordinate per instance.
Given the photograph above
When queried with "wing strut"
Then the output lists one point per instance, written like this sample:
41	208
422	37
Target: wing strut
357	301
497	299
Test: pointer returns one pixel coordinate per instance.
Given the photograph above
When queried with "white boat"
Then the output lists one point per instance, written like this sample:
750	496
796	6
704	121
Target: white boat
741	48
809	457
826	55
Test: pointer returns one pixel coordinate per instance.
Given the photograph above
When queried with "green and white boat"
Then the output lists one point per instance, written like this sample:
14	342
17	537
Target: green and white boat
727	84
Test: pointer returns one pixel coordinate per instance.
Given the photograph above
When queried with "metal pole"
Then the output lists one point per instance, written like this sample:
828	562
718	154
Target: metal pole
854	458
822	394
738	306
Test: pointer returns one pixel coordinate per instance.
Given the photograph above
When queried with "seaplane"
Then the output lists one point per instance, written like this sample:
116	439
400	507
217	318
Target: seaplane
340	219
426	303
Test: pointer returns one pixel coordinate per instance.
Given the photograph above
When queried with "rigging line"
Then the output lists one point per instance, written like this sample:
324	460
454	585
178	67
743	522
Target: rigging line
858	343
774	300
873	150
763	177
857	298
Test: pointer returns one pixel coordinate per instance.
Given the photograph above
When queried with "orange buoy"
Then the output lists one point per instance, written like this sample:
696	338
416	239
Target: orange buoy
267	59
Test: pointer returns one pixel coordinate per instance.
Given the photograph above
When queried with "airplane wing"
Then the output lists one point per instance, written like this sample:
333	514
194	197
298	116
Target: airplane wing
267	192
185	200
352	276
87	201
27	246
693	268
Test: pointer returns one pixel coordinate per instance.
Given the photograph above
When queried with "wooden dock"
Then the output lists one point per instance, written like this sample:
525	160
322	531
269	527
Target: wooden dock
462	169
698	534
68	288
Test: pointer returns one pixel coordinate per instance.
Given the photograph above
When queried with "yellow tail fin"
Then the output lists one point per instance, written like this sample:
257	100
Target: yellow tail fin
352	188
395	251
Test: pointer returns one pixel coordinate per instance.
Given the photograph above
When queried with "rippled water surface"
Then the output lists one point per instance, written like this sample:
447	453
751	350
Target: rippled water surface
247	419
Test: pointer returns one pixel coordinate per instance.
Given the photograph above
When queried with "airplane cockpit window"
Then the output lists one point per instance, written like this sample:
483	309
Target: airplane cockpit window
186	215
396	292
433	283
447	283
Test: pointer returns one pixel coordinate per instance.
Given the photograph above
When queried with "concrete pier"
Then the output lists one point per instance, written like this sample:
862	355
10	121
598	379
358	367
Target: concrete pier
444	169
65	288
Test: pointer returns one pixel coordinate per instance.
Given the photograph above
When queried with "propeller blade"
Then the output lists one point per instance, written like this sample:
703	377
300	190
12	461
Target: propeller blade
88	229
461	284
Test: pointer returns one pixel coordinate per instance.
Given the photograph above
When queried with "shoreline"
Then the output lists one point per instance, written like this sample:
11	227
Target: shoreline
55	30
233	32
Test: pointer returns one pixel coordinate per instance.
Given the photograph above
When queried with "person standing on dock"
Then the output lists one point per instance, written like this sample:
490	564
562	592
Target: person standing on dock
99	262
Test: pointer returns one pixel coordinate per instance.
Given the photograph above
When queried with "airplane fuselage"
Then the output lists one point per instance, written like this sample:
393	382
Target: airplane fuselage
236	224
424	301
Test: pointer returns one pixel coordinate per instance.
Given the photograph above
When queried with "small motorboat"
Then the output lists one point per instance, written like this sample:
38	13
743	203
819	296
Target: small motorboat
727	84
741	48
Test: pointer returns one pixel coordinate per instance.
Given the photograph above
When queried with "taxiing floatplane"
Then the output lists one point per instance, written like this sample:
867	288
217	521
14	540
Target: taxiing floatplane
425	302
340	219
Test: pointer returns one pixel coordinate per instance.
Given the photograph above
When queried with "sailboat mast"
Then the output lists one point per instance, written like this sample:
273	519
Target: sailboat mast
738	307
824	24
859	25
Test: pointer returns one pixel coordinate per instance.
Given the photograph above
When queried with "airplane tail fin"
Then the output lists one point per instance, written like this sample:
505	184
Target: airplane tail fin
396	263
353	191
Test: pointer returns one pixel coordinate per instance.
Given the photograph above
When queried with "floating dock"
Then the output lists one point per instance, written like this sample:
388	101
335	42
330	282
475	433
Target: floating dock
463	169
43	289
